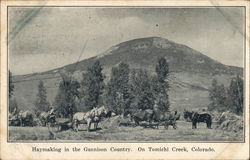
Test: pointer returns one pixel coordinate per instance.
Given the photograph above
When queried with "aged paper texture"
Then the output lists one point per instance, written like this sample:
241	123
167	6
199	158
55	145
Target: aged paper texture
124	79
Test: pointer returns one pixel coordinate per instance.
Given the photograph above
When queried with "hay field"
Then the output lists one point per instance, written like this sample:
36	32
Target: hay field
108	131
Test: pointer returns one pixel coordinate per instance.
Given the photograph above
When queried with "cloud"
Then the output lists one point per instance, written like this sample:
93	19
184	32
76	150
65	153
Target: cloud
61	33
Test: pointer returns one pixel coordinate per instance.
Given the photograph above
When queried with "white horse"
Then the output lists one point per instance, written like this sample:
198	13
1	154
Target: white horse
92	116
99	114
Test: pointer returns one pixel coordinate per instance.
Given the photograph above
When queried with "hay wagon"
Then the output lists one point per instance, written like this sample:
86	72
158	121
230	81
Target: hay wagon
62	124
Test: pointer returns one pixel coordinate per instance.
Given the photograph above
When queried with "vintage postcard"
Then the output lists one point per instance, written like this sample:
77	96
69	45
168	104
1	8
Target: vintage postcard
124	80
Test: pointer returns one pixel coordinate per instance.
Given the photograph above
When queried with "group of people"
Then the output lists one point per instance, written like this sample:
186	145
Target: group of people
154	117
27	118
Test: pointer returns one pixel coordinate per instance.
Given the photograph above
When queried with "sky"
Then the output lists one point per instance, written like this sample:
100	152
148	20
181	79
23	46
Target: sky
42	39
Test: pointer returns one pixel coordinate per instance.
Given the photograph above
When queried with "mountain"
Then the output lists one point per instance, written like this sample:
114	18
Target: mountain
191	72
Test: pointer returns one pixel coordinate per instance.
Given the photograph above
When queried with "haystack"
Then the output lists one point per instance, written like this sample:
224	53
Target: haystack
112	122
230	122
115	122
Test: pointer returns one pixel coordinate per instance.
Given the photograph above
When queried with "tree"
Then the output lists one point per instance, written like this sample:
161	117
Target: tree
161	85
162	70
92	86
117	90
217	96
67	94
141	90
11	85
213	93
222	97
41	102
235	95
13	106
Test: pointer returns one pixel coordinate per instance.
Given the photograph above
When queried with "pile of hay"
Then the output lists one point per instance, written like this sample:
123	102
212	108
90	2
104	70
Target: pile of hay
114	122
230	122
111	123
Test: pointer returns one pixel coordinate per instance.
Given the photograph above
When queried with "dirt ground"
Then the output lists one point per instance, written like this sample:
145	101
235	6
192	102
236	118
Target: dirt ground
113	133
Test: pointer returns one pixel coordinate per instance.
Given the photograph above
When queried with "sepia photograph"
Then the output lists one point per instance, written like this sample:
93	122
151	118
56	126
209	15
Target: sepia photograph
126	74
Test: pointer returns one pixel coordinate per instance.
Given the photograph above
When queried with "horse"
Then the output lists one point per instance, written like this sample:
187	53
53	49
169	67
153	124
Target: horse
198	117
143	115
167	118
188	115
26	118
100	113
92	116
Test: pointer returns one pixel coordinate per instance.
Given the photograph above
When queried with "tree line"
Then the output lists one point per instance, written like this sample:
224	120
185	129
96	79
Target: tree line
227	99
125	91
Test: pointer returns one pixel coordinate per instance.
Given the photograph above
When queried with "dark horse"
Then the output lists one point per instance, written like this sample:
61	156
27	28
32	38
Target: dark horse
198	117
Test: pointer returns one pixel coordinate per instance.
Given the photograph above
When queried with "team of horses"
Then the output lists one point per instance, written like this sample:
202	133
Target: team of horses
27	118
157	116
152	117
93	116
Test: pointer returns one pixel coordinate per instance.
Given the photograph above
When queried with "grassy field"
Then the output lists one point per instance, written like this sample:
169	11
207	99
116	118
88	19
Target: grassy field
114	133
